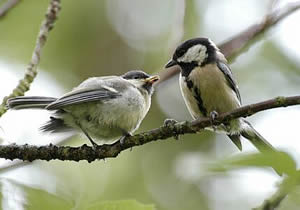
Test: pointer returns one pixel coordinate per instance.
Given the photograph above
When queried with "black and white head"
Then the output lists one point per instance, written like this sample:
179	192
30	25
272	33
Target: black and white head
194	52
141	80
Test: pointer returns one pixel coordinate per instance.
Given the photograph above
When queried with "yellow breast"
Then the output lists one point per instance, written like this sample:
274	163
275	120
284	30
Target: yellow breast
213	89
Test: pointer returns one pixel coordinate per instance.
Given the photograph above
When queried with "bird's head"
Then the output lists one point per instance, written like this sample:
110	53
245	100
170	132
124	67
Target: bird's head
141	80
192	53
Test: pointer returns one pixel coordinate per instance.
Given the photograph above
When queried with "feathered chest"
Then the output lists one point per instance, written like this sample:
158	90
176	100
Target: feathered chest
206	90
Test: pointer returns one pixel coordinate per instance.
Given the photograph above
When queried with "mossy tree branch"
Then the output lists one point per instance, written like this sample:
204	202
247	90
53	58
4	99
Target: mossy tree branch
50	152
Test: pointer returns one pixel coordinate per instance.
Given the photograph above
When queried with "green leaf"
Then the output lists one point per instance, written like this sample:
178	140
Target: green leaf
120	205
282	162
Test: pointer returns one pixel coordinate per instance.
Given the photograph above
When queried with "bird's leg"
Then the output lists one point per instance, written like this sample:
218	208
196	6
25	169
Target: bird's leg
213	115
87	135
170	123
91	140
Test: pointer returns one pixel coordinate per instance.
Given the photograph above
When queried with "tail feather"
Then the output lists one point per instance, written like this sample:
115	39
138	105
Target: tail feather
26	102
55	125
236	139
256	139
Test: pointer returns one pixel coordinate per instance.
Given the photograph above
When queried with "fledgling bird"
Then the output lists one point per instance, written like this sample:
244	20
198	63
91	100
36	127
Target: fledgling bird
208	88
103	108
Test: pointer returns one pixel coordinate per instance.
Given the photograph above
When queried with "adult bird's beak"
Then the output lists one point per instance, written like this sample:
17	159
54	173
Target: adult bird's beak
170	63
152	79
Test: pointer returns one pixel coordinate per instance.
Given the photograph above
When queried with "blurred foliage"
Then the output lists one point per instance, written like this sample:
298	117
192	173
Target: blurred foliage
280	161
282	61
120	205
39	198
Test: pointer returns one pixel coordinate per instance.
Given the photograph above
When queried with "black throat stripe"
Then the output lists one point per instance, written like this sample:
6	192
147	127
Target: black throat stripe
197	95
201	107
187	68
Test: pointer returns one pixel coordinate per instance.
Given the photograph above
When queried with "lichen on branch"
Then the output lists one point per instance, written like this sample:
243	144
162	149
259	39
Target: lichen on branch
31	70
51	152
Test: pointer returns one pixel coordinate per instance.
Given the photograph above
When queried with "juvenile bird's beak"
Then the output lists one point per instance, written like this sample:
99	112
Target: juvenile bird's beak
170	63
152	79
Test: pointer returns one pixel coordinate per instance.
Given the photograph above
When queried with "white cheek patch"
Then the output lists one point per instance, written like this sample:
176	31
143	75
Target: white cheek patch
196	53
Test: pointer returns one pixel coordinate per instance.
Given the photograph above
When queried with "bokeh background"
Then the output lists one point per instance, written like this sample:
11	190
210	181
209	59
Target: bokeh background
96	38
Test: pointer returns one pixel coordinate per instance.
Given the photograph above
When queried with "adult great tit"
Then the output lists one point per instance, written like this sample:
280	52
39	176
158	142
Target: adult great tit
103	108
208	88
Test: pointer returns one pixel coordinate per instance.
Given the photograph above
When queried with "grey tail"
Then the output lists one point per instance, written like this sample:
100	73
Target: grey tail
55	125
236	139
256	139
29	102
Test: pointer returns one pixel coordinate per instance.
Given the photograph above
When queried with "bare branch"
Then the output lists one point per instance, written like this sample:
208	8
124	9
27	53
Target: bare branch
30	153
244	40
7	6
31	71
241	42
273	202
286	186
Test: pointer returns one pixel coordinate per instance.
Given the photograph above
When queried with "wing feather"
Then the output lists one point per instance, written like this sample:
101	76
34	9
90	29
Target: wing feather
229	77
83	96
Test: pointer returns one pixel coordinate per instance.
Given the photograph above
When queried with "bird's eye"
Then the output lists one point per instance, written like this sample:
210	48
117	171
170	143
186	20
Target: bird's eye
136	77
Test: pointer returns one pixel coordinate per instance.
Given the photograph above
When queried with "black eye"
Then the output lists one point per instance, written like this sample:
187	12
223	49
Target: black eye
135	77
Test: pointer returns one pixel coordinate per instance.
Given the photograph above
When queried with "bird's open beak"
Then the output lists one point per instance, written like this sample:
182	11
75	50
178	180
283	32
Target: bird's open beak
152	79
170	63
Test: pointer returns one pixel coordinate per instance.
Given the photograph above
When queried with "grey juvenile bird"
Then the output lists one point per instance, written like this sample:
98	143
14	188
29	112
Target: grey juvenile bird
103	108
208	88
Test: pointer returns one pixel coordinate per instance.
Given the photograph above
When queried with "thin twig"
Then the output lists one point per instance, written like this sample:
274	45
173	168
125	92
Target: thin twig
286	186
241	42
7	6
31	71
30	153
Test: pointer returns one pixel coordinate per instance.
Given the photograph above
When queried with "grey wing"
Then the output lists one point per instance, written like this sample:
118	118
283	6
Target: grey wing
229	77
83	96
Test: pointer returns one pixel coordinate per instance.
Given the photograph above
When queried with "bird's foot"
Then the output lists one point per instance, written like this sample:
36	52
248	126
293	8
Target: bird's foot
213	115
123	138
171	123
95	145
